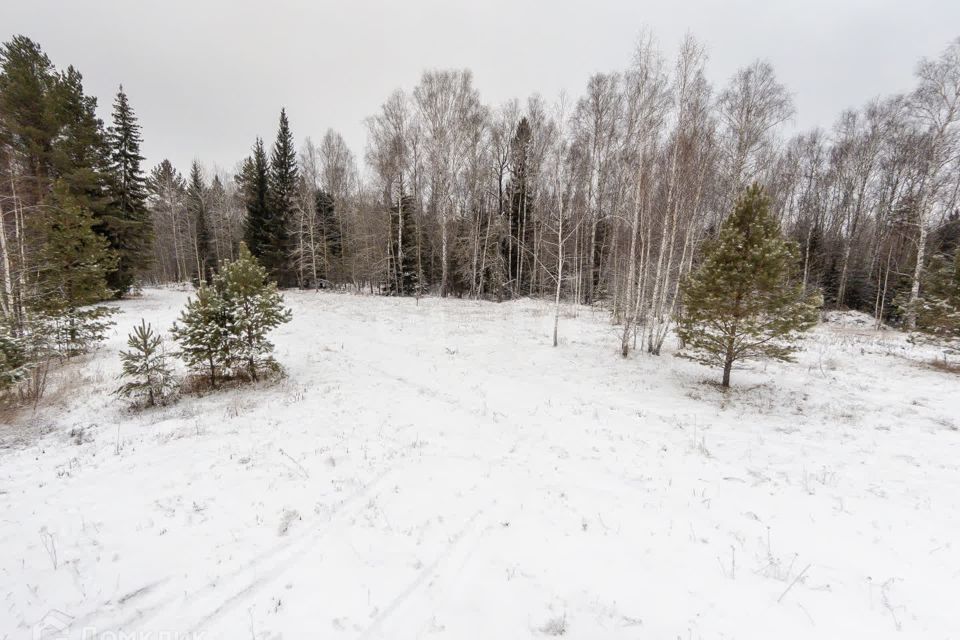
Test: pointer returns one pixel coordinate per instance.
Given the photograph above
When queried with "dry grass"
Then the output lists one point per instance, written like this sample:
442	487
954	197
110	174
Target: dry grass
946	366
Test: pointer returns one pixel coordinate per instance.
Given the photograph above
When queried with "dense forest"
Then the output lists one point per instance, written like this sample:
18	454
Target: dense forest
604	199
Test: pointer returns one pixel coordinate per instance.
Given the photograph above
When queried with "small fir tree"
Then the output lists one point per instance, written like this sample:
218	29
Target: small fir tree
253	307
201	333
740	303
146	367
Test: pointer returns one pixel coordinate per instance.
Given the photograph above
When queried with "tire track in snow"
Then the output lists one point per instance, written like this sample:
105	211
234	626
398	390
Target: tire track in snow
195	609
429	573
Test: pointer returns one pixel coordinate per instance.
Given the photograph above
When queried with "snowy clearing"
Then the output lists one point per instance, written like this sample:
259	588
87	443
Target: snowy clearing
439	470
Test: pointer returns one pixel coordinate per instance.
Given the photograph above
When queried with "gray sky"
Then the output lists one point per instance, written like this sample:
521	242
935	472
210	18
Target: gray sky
207	76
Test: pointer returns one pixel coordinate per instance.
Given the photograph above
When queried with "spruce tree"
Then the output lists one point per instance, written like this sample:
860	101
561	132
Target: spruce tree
938	308
330	227
146	367
73	265
283	179
127	226
254	308
197	204
201	333
14	359
740	303
520	214
403	271
254	185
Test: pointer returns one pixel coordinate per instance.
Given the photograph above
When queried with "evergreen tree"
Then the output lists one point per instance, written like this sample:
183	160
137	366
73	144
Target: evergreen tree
201	333
283	179
79	154
330	227
219	216
127	226
146	367
938	308
521	217
223	332
168	192
28	123
74	263
740	303
253	182
254	308
203	249
14	359
403	277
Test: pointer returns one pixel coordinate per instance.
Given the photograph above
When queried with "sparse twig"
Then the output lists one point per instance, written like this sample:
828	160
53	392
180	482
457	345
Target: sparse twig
50	544
299	466
790	586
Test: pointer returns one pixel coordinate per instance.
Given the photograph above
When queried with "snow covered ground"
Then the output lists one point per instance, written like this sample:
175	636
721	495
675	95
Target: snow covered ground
441	471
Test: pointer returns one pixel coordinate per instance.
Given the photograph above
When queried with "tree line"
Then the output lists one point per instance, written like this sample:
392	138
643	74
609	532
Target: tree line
603	199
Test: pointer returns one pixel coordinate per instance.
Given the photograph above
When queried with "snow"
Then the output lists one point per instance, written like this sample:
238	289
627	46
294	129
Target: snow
438	470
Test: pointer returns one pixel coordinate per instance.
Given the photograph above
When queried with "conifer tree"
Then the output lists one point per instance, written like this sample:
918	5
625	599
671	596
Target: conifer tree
253	181
28	130
740	304
203	249
127	226
283	179
326	215
254	308
79	154
74	263
201	333
404	273
14	360
168	191
938	308
146	367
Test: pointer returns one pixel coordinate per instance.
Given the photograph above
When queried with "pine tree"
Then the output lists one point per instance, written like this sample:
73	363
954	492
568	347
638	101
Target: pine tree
283	178
254	184
223	332
938	308
79	153
740	303
254	307
201	333
28	124
203	249
146	367
127	226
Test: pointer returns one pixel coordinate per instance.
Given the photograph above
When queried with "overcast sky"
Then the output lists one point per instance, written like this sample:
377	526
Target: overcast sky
207	76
